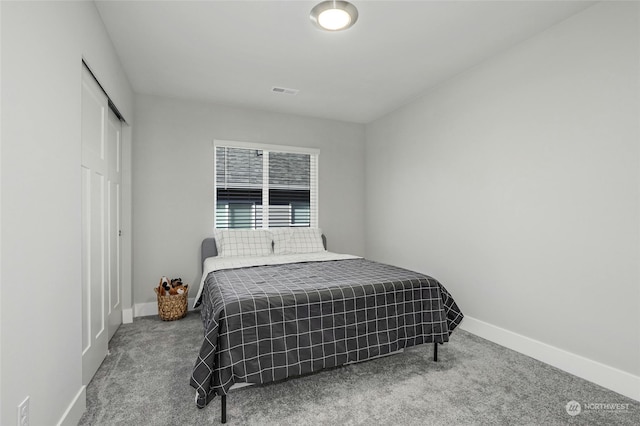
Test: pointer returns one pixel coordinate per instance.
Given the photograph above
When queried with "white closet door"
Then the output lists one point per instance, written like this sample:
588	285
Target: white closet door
94	226
114	147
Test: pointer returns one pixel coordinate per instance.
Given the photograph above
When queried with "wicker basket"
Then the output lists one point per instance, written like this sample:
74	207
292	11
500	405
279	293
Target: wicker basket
172	307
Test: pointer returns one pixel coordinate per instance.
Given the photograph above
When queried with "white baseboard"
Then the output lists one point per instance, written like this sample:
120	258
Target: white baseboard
606	376
127	316
74	412
151	308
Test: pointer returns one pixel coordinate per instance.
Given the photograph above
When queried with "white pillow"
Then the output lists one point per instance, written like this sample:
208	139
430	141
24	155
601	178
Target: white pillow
243	242
297	240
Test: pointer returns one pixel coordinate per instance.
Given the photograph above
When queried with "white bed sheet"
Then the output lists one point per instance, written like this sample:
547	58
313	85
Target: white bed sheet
218	262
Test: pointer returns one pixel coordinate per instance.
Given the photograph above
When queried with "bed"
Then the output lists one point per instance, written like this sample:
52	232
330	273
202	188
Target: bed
285	307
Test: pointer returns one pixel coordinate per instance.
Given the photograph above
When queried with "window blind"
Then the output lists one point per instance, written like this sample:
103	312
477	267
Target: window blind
264	188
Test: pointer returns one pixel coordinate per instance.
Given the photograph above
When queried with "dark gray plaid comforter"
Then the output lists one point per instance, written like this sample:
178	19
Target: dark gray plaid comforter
266	323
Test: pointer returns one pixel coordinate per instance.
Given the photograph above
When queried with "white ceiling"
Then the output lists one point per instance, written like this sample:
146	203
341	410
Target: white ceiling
234	52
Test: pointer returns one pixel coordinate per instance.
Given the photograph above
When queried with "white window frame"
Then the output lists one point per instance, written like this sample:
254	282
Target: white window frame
266	148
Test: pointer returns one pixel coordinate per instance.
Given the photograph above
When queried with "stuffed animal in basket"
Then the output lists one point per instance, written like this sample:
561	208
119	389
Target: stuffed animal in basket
164	286
179	289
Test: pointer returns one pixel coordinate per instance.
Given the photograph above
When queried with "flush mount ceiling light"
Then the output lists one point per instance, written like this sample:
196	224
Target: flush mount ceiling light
334	15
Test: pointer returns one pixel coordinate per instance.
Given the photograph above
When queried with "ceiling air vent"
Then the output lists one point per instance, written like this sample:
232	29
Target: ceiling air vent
284	90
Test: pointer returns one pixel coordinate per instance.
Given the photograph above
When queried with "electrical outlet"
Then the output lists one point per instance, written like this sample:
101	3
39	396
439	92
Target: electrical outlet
23	413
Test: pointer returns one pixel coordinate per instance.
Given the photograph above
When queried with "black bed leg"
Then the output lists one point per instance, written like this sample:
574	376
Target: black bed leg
223	406
435	352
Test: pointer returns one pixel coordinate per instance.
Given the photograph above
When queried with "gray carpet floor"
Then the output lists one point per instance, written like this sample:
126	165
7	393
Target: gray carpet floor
145	381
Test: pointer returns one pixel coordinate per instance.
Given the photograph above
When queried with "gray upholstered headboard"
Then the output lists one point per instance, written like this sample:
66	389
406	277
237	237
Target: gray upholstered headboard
209	248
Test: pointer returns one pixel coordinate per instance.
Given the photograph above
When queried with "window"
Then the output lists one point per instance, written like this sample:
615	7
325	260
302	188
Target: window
265	186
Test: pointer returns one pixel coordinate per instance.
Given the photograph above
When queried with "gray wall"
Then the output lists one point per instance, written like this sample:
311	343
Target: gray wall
173	180
516	184
43	45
